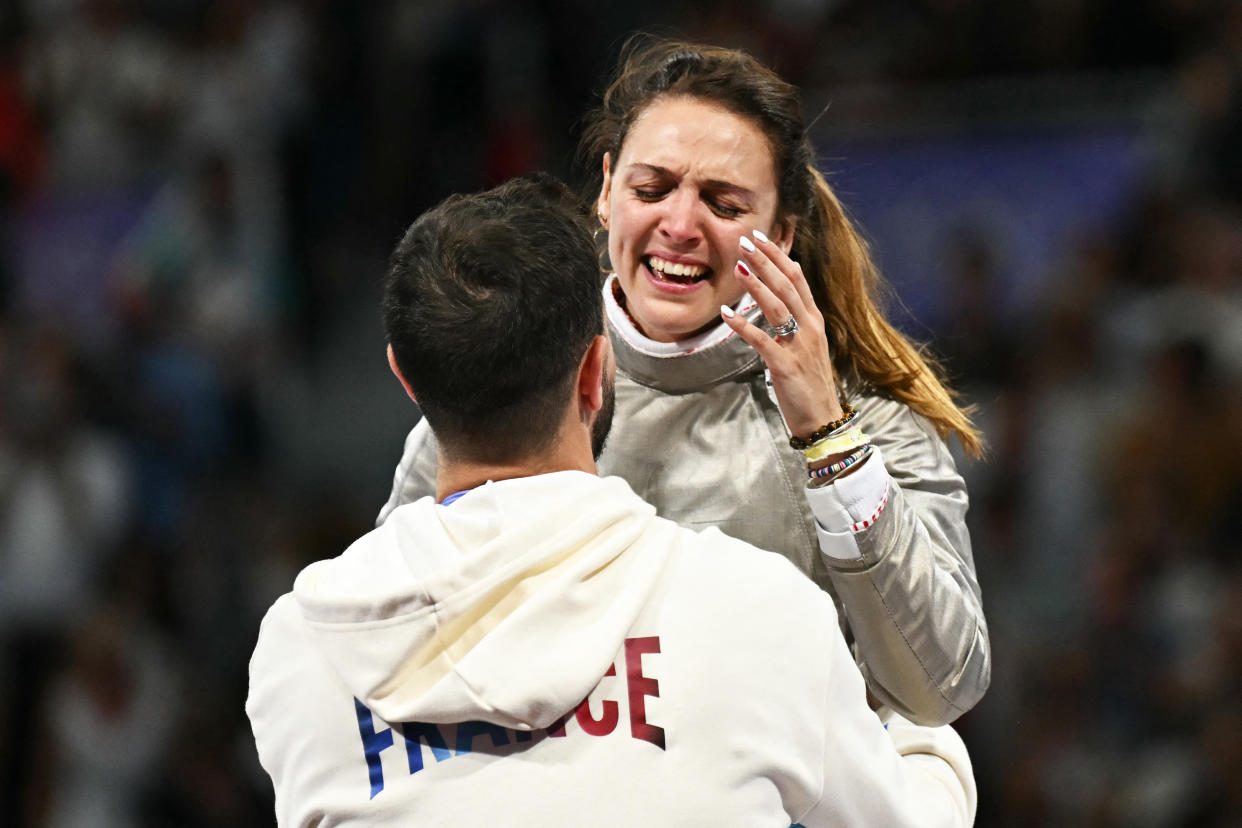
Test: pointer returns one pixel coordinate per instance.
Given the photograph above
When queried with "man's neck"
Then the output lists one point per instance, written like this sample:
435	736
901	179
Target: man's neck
459	476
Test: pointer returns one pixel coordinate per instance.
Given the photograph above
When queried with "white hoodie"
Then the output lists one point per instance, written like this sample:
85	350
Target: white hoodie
547	651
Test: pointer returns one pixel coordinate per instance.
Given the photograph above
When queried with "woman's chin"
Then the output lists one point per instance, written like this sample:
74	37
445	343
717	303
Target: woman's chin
670	317
676	327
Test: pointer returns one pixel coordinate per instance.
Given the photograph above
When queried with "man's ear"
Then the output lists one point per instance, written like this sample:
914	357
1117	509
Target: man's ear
594	371
602	205
392	363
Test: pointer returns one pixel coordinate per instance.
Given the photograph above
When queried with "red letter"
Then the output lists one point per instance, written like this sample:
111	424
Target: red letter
557	728
641	686
602	726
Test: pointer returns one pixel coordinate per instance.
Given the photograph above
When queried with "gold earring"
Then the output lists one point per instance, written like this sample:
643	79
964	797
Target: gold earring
605	265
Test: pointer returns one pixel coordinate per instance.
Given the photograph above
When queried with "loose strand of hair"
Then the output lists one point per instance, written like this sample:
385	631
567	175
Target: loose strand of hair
846	286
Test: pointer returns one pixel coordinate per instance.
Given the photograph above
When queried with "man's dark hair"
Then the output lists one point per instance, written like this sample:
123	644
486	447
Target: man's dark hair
490	302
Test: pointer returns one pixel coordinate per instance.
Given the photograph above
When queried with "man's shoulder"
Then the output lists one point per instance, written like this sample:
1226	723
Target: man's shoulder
275	663
729	572
281	626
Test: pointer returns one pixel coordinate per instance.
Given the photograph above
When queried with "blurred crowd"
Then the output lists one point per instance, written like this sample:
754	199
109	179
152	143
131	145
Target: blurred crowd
196	201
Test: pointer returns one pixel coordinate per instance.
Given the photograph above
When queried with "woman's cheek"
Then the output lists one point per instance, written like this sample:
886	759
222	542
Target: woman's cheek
729	287
614	251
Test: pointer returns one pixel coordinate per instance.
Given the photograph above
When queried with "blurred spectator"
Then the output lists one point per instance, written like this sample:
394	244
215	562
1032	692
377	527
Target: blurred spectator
200	267
977	346
108	718
107	86
1199	295
64	502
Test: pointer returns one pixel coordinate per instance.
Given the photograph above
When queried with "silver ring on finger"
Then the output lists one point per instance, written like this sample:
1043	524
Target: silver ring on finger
788	329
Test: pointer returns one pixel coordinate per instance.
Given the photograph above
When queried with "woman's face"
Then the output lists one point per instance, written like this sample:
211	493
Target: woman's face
690	179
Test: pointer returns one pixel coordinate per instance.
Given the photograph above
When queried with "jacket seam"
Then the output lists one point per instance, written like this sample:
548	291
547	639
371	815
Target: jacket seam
930	679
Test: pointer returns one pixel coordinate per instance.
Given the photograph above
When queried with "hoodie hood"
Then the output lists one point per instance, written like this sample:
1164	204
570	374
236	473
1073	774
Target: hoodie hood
506	606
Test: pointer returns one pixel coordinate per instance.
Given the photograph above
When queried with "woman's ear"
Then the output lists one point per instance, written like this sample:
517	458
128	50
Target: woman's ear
785	234
605	190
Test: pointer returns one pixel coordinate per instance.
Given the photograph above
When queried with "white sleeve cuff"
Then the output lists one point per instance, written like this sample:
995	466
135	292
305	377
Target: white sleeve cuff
848	506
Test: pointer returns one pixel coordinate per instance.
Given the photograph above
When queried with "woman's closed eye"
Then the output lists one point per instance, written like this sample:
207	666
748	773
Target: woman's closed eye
725	210
720	206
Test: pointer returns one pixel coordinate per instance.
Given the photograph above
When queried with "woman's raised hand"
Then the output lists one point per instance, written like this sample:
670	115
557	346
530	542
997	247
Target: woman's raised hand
800	363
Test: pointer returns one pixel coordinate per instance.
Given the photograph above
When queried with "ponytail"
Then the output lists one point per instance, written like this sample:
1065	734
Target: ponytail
846	287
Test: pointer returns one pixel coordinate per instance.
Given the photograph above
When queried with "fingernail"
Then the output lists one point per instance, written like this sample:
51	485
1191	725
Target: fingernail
758	234
727	311
741	266
747	244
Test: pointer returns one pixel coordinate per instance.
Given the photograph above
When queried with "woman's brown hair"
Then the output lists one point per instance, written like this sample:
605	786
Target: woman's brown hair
844	281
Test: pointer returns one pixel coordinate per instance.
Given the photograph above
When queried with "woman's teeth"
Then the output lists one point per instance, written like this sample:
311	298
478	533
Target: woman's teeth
676	271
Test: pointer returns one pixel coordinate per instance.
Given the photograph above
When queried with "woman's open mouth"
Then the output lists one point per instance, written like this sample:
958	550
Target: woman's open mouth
677	273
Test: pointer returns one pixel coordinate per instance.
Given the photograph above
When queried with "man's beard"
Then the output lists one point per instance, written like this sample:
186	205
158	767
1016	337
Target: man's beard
603	422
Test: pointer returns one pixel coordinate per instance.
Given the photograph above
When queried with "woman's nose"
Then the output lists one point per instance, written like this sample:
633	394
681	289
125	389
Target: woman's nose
680	222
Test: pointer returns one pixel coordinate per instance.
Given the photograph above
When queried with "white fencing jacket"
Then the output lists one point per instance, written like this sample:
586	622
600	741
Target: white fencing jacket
548	651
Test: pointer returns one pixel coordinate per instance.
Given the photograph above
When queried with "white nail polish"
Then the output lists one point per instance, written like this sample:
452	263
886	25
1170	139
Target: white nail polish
758	234
727	311
747	244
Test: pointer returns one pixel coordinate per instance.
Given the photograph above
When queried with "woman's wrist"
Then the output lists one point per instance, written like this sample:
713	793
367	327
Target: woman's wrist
833	467
803	440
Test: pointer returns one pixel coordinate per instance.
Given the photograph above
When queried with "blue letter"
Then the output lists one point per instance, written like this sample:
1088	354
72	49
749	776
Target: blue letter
431	735
372	744
466	731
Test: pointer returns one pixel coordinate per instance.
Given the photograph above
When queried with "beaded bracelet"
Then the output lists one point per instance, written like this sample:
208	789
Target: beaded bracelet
828	446
841	465
823	431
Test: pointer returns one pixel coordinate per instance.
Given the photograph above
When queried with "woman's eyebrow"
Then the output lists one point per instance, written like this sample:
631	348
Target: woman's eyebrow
717	184
654	169
736	189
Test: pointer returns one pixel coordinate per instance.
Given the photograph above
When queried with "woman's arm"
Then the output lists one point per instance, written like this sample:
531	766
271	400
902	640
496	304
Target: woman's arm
909	589
416	472
906	576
